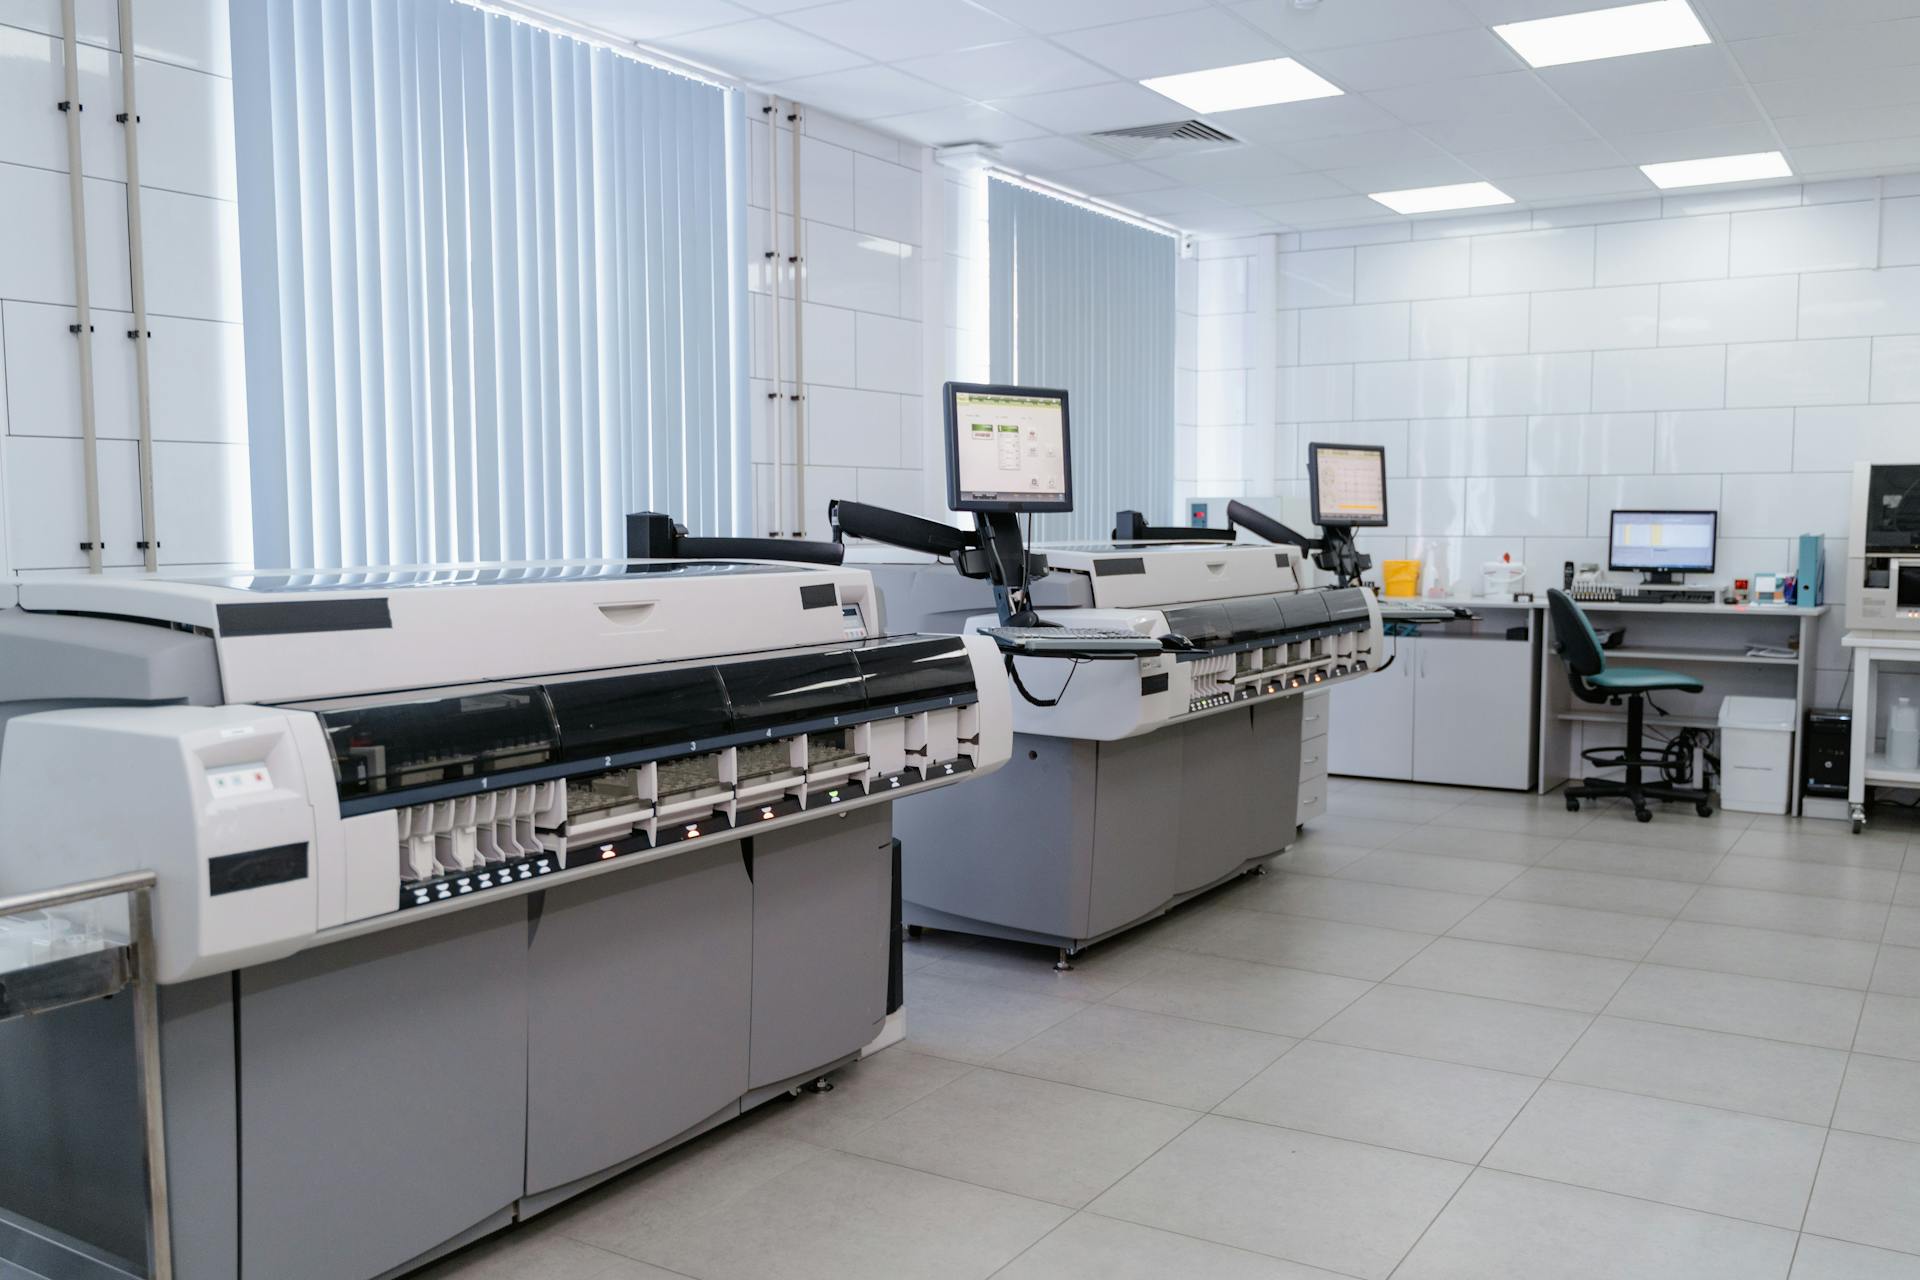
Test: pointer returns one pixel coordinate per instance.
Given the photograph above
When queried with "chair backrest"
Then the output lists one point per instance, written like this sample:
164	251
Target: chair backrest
1573	635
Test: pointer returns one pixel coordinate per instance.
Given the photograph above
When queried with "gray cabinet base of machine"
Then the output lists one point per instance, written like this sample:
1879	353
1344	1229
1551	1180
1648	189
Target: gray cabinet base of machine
1076	841
358	1110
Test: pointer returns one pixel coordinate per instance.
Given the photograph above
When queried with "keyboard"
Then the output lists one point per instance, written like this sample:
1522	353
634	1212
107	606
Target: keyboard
1099	641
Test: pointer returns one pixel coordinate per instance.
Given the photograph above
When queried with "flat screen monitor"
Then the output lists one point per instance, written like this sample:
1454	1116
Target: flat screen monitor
1663	541
1008	448
1348	483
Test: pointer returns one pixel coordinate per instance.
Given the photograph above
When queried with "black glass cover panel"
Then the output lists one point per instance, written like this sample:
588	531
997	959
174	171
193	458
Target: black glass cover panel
771	692
909	670
1303	611
1893	508
1347	605
1204	624
394	746
633	712
1253	617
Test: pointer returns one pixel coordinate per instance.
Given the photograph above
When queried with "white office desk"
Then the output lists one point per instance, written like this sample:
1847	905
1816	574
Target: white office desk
1707	640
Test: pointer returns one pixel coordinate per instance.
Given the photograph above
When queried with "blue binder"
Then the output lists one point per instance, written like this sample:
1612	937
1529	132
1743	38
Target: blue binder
1810	570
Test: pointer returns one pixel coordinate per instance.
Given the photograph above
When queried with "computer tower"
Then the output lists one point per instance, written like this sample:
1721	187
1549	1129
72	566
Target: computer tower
1826	753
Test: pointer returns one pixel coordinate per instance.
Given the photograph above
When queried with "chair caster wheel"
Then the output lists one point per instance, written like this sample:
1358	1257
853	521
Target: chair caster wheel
1573	804
1858	826
1643	815
1704	809
914	930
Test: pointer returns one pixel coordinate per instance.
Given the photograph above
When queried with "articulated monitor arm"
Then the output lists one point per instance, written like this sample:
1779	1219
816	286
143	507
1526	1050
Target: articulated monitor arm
1333	550
1132	526
994	549
654	536
898	529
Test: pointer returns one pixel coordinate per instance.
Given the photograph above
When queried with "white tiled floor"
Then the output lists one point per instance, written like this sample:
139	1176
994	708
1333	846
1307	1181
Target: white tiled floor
1454	1035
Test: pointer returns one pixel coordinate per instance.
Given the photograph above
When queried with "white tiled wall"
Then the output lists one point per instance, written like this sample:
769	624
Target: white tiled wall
868	359
1736	351
198	399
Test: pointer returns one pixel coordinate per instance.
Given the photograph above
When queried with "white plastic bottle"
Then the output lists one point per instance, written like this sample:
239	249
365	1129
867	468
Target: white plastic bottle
1903	736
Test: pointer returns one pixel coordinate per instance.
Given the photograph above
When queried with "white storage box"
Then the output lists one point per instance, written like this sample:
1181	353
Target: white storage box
1756	754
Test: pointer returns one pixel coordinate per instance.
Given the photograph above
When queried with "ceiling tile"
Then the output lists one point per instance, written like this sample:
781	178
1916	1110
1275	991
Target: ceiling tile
887	30
1651	114
651	19
1695	144
1339	210
1242	222
1898	121
1502	133
1225	165
1451	55
1294	121
1494	11
1049	16
1361	148
1472	99
777	6
1830	50
1556	157
1585	185
1102	106
1880	156
761	50
1175	201
1172	44
1003	70
1119	180
1666	72
1746	19
1351	22
1276	188
948	126
864	93
1811	94
1403	175
1052	155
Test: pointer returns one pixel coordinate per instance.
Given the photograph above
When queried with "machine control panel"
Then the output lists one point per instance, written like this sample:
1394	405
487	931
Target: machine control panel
230	782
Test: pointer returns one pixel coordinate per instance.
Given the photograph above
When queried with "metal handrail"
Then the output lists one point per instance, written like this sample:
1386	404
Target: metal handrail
138	886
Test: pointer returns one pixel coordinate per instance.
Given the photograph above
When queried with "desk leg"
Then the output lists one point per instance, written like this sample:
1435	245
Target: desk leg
1862	737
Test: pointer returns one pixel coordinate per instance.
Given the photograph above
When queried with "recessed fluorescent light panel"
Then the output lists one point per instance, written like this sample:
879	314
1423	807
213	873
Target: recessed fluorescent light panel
1463	195
1251	84
1605	33
1717	169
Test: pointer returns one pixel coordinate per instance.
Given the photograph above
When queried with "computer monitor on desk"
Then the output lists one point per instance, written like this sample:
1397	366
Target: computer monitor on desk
1663	544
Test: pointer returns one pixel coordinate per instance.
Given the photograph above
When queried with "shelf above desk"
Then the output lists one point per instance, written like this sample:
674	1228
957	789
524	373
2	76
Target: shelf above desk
1653	722
1681	653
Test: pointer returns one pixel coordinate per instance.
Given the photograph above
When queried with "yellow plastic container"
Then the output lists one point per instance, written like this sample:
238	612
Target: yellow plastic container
1401	577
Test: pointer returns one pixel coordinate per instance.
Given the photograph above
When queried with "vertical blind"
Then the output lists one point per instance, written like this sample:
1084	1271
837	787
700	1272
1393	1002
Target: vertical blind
1085	302
493	281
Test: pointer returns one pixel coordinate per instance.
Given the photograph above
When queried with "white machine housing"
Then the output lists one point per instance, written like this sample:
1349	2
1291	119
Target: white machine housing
1883	568
393	744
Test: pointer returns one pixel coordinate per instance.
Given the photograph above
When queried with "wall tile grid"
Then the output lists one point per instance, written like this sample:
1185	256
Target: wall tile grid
869	266
1733	350
196	366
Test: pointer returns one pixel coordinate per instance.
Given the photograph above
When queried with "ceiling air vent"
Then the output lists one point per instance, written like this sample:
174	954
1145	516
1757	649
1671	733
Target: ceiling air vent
1147	141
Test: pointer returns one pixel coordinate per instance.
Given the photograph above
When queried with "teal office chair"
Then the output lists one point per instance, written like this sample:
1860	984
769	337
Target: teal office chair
1594	681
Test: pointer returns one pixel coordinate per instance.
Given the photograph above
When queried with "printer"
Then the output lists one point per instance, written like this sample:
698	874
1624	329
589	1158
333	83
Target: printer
476	883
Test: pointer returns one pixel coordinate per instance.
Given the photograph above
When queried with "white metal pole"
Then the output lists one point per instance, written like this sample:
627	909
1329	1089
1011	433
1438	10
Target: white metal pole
799	367
136	261
775	396
83	312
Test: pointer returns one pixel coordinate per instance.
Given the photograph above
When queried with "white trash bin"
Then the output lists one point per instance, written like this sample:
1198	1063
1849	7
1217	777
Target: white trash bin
1756	754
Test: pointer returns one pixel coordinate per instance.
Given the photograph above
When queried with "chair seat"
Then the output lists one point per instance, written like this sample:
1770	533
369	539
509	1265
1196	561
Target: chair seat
1643	680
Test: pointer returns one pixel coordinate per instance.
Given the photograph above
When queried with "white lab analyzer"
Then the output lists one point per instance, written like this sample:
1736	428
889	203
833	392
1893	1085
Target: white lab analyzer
1158	747
477	884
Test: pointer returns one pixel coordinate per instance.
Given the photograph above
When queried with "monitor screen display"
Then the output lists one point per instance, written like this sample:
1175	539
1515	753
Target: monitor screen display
1663	541
1348	483
1007	449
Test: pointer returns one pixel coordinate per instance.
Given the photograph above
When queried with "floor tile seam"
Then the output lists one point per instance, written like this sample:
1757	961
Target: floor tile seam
1187	1235
1688	1026
1690	1102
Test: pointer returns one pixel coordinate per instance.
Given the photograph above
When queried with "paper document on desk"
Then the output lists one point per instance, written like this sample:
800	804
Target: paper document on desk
1770	651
